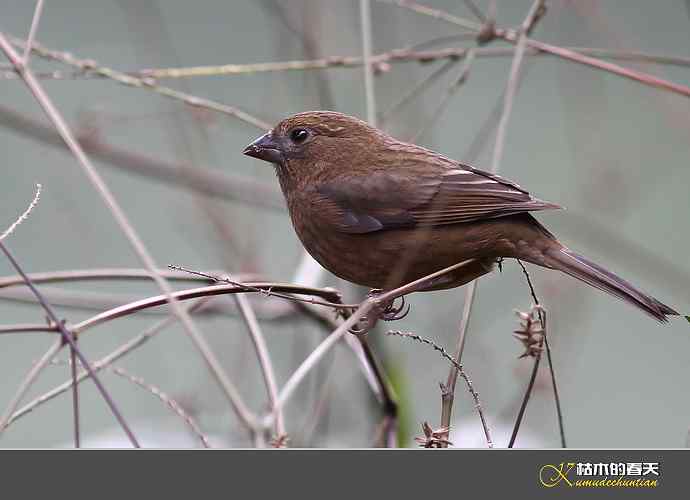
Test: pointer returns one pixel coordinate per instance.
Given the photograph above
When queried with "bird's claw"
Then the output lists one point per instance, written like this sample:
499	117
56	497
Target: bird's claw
393	313
364	325
387	311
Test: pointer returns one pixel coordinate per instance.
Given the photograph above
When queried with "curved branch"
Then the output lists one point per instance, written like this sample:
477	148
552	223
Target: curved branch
207	291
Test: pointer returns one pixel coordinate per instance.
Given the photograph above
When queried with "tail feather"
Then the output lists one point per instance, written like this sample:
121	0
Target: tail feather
593	274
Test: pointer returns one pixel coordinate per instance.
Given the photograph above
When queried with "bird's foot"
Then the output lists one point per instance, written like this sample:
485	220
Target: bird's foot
389	311
393	313
364	325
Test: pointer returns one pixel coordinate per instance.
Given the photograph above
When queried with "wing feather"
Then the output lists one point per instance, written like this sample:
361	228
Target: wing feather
422	195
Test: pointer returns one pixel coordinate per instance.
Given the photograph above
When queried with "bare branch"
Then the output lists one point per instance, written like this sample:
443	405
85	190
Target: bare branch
169	402
335	302
204	180
415	90
265	363
75	398
26	384
533	377
460	370
27	328
369	91
572	55
470	292
372	305
371	368
448	395
513	80
447	96
108	274
133	81
395	56
118	214
475	10
69	338
32	31
115	355
552	370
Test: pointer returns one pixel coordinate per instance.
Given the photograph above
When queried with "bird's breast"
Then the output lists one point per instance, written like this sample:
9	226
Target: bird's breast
386	259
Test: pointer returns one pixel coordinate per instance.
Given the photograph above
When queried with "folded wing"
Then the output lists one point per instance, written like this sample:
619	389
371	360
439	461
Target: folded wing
422	195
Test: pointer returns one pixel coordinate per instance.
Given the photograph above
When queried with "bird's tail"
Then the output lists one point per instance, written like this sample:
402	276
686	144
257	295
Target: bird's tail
563	259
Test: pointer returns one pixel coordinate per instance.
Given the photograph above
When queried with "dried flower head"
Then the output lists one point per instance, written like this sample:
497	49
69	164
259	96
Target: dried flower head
433	438
531	331
280	441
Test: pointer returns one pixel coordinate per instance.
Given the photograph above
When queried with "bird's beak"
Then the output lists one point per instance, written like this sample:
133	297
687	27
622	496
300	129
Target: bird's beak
265	148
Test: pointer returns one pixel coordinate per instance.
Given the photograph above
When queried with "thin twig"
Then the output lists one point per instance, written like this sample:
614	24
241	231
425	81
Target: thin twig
108	274
27	382
369	91
133	81
490	123
313	358
458	367
270	292
205	180
169	402
395	56
530	385
313	418
208	291
68	338
447	96
273	310
513	81
470	292
525	400
128	230
475	10
377	60
264	357
552	371
389	423
448	392
415	90
75	396
369	305
435	13
23	216
27	328
565	53
105	361
32	31
371	368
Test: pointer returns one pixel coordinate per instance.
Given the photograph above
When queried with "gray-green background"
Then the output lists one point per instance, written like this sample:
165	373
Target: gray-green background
613	151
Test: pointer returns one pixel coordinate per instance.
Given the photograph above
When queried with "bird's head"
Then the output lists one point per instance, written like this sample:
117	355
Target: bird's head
312	142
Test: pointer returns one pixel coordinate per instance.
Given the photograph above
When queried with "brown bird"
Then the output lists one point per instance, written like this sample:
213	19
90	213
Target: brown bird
381	213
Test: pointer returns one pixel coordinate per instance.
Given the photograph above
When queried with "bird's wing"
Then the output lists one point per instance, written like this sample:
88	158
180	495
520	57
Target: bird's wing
409	197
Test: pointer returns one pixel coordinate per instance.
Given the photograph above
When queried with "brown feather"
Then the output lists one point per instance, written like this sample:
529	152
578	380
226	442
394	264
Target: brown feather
381	212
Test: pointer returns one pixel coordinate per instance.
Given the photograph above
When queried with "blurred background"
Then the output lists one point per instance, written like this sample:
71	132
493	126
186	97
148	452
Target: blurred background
614	152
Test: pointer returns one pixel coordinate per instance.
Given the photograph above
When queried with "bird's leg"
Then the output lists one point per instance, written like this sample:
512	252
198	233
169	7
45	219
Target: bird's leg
369	321
384	309
364	325
393	313
389	311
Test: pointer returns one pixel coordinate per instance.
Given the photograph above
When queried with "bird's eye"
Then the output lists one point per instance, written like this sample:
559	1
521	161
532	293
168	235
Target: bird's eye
299	135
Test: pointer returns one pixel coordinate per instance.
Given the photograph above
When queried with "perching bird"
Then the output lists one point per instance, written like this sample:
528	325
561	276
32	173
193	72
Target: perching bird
381	213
